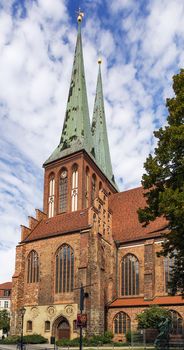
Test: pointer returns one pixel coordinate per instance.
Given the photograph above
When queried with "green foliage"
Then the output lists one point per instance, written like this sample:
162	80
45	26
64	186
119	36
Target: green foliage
88	341
10	340
34	339
27	339
4	320
164	183
151	317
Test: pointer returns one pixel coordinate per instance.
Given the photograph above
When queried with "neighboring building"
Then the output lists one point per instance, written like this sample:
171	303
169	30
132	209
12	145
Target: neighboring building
88	233
5	296
5	300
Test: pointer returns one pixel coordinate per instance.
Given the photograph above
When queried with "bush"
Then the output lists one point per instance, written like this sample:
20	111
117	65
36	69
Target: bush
27	339
87	341
129	336
34	339
10	340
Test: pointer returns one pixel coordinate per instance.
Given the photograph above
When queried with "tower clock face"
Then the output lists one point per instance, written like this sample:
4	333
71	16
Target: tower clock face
64	174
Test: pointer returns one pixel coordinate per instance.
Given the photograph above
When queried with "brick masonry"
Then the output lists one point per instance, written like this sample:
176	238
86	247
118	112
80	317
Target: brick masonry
97	261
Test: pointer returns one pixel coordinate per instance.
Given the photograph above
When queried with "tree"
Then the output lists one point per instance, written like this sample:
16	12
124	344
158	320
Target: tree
152	317
4	320
164	183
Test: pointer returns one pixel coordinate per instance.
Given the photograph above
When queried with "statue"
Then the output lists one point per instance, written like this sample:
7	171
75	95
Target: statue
162	340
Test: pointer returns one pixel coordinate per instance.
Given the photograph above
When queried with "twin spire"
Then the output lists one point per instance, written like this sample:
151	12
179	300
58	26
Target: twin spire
77	133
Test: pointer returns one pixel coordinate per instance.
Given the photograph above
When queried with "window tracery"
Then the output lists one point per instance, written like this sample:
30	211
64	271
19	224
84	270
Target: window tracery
63	190
32	267
93	188
87	188
74	187
122	323
64	269
129	275
51	196
168	266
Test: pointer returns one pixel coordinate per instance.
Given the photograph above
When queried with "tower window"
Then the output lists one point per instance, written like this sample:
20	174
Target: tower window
87	189
93	189
63	191
130	275
74	187
64	269
122	323
32	267
51	196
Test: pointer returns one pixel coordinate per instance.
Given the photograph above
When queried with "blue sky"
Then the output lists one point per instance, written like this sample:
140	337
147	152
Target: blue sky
141	44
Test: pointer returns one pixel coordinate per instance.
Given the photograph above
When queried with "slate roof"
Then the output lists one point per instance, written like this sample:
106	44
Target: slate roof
140	301
59	224
125	224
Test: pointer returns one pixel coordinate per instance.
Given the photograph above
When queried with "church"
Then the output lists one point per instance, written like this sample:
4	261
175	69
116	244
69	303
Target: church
88	233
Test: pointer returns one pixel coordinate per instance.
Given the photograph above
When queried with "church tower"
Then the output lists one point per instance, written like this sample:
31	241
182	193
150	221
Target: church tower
70	242
81	164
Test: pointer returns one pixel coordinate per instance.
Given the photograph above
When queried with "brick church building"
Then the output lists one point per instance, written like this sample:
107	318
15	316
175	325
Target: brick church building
89	233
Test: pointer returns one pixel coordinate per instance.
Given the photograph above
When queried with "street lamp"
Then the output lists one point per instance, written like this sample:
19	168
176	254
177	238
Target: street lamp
22	311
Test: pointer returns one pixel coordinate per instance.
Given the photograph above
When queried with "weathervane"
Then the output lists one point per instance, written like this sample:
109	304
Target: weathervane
80	15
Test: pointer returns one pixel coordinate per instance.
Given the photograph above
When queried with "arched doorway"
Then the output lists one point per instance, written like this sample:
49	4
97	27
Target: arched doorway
61	328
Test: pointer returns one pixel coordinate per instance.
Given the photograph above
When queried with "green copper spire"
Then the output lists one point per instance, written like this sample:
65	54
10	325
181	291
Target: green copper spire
99	131
76	133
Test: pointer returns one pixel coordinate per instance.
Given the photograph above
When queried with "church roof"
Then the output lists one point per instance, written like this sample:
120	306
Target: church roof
76	133
140	301
125	224
99	131
59	224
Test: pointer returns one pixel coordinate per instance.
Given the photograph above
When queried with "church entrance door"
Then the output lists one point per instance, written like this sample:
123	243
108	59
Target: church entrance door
63	329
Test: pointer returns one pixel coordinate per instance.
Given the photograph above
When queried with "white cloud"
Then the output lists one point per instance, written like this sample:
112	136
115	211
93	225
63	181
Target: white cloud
141	50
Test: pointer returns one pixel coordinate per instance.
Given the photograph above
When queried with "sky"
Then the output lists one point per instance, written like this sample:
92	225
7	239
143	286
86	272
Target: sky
141	43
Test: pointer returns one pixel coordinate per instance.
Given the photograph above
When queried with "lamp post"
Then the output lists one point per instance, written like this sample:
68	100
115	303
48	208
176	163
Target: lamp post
22	311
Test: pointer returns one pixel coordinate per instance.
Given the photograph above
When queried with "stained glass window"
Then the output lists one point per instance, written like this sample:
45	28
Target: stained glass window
63	191
122	323
64	269
129	275
51	196
32	267
74	187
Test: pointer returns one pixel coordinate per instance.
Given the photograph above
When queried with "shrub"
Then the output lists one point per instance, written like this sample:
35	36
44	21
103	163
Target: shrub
87	341
28	339
10	340
34	339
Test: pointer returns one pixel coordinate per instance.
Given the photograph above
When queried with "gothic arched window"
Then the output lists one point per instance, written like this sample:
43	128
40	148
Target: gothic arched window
51	195
32	267
93	188
129	275
122	323
177	322
87	189
63	191
168	266
74	187
64	269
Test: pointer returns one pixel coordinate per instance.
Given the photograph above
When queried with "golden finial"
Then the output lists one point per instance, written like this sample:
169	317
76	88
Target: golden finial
99	60
80	15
